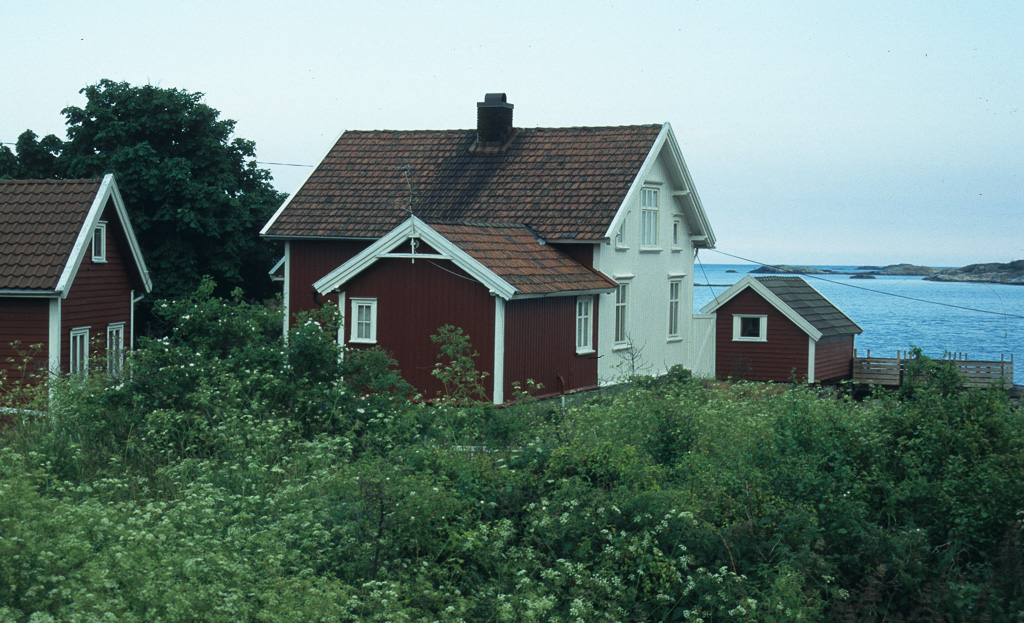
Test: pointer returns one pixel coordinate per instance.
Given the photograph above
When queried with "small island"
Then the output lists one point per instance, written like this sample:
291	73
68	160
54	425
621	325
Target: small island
1011	273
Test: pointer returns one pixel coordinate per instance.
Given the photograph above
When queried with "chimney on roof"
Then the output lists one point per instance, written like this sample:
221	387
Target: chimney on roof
493	120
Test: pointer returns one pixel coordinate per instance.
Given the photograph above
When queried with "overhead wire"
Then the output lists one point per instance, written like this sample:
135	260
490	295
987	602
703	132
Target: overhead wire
850	285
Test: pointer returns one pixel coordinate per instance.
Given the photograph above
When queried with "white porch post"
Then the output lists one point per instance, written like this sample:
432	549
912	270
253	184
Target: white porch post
499	350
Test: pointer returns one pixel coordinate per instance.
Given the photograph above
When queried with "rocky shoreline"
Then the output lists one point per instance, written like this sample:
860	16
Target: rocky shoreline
1011	273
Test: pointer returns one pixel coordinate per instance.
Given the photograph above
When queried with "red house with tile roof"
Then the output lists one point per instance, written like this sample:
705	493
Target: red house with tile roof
774	328
70	274
554	249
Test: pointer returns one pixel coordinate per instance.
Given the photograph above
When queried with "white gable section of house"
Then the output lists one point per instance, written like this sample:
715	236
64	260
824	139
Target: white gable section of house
410	229
666	154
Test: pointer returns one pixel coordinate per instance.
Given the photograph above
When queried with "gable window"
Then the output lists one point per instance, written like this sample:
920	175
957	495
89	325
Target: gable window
677	233
99	242
80	351
364	321
620	235
621	311
675	295
648	218
749	328
115	348
584	324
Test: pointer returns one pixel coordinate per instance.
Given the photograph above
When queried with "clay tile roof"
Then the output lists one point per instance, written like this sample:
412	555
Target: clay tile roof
564	183
809	303
39	223
515	254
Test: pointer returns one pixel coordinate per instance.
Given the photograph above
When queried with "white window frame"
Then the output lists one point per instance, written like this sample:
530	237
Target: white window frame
99	243
621	315
79	350
620	235
584	325
675	306
358	335
737	328
677	233
649	218
115	348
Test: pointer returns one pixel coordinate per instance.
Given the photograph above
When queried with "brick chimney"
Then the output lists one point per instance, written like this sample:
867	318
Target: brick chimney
493	120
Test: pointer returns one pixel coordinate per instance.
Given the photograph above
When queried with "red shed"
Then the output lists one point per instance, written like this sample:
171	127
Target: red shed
775	328
70	274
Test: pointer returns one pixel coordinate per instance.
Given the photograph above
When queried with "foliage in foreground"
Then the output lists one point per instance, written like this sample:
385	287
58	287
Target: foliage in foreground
234	477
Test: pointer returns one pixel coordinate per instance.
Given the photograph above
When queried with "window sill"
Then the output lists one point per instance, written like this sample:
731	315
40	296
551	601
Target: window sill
621	247
676	249
674	339
621	346
651	249
586	352
363	341
99	260
750	339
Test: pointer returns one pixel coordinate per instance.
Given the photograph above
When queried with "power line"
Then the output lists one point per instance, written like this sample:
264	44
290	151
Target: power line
850	285
284	164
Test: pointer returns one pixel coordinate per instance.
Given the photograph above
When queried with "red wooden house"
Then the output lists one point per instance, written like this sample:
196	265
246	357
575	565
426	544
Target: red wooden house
557	250
775	328
70	274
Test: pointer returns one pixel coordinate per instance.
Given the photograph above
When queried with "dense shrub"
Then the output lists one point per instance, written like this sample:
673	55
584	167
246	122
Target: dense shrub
235	476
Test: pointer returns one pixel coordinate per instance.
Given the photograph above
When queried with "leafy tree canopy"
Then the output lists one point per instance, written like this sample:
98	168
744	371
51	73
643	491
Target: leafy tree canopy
195	195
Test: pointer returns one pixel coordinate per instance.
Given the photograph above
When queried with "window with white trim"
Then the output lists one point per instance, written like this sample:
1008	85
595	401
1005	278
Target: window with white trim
675	296
364	321
99	242
621	314
80	351
115	348
677	233
749	328
584	324
648	218
620	235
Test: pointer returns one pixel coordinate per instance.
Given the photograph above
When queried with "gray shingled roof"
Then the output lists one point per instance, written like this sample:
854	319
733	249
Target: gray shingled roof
810	304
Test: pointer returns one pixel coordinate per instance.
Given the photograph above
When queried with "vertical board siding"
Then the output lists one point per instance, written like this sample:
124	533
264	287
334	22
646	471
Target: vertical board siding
24	324
833	357
413	301
100	294
782	358
540	344
309	260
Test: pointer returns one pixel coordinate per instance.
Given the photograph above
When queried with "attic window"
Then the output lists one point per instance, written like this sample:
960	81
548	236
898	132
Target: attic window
648	218
99	242
749	328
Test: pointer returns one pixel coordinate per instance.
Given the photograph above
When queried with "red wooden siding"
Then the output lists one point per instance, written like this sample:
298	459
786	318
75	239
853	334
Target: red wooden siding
413	301
782	358
540	344
25	321
100	295
833	357
311	260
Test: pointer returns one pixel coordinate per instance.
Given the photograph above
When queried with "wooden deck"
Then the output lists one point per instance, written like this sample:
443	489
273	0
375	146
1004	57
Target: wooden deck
889	372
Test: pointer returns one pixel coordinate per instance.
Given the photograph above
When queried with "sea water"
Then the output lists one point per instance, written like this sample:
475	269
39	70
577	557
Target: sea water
984	321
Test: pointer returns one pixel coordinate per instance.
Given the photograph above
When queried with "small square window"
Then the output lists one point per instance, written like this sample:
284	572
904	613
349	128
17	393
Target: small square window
99	242
364	321
749	328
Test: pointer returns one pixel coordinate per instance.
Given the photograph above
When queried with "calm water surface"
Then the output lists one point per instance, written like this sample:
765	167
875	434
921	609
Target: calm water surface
893	323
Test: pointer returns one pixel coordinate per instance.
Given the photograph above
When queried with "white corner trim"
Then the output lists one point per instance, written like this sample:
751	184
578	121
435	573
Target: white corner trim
499	350
811	343
414	228
53	337
286	289
750	282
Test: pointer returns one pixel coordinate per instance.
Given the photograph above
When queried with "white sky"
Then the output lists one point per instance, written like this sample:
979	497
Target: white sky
854	132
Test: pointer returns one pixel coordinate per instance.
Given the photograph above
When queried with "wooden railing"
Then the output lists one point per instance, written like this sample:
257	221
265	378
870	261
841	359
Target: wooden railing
881	371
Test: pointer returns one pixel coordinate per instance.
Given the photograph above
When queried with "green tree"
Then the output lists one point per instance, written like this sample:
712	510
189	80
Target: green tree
195	195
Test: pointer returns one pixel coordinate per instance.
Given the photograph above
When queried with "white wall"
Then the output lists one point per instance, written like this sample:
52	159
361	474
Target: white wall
648	273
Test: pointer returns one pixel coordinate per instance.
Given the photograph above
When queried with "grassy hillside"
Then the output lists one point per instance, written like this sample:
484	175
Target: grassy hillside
236	478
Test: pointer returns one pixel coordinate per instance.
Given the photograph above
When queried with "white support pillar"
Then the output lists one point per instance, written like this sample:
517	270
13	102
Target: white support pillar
810	359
